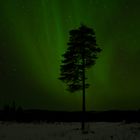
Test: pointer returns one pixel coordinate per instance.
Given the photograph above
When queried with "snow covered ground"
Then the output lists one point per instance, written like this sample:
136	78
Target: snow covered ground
69	131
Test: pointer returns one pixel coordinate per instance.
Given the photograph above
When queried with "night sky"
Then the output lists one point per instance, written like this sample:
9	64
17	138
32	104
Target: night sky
34	35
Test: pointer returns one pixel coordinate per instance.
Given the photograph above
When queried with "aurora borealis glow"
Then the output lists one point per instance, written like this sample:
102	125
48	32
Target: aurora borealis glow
34	35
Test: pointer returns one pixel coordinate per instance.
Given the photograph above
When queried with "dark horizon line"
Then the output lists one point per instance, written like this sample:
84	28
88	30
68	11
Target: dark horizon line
109	110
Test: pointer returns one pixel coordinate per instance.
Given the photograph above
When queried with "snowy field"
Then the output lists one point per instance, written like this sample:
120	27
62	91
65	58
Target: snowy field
69	131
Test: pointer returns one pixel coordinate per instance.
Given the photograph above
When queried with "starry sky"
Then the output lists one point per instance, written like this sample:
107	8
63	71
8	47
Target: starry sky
34	35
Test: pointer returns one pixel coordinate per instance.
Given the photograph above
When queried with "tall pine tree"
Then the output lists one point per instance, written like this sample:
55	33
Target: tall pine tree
80	55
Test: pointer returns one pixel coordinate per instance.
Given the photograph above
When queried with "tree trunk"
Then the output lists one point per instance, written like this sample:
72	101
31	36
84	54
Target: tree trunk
83	105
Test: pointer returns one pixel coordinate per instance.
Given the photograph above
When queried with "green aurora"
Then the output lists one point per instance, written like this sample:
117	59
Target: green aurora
34	35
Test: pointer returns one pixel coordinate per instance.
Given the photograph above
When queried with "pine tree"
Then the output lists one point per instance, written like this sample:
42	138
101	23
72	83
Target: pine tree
80	55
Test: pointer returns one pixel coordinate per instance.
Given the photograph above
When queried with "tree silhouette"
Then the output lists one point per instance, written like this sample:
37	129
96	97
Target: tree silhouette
80	55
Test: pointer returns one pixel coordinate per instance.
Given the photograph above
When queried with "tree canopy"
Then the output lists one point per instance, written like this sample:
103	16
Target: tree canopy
80	55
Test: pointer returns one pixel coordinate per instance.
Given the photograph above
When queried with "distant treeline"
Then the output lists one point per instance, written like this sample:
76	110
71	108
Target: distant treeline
20	115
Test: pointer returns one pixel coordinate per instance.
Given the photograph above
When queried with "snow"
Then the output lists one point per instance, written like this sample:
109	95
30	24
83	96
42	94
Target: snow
69	131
